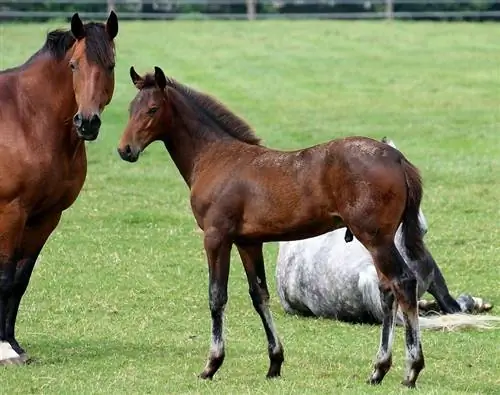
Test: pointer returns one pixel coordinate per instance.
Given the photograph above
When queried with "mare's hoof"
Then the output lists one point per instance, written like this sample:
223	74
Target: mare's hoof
408	383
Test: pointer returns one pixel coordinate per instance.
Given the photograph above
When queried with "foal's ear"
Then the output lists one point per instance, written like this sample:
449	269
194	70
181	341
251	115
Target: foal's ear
77	28
136	78
160	78
112	25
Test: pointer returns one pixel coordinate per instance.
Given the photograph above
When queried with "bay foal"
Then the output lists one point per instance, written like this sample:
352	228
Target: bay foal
245	194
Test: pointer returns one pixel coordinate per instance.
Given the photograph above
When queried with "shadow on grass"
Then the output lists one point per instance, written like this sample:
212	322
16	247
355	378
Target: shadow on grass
50	352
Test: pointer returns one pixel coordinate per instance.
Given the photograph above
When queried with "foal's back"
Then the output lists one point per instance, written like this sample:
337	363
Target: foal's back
280	191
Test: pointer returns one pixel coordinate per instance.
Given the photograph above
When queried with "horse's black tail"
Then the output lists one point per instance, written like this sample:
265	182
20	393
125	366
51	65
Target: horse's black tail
412	233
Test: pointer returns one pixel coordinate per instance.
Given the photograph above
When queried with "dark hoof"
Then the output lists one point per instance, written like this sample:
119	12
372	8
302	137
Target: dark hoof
273	373
206	375
408	383
373	381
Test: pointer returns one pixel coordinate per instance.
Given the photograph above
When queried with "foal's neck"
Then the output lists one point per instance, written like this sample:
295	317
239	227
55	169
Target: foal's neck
188	138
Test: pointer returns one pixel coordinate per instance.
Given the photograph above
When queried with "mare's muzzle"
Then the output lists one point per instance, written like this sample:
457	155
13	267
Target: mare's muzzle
129	154
87	127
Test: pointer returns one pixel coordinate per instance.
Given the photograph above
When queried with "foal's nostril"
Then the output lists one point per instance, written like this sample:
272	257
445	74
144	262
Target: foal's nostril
128	150
78	120
95	122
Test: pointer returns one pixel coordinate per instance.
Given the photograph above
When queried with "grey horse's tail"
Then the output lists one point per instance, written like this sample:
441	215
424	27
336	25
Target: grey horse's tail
412	233
450	322
446	322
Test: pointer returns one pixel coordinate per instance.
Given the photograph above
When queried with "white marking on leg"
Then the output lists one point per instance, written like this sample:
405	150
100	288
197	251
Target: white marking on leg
413	350
217	344
7	352
385	353
266	312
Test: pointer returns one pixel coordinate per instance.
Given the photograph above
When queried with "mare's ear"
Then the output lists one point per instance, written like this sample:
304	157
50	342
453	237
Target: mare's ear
77	28
160	78
112	25
136	78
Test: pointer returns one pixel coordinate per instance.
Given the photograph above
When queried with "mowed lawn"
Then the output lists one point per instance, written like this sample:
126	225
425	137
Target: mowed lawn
118	302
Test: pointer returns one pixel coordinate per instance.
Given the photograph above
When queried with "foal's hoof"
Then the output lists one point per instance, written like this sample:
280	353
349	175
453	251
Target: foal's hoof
408	383
374	381
205	375
273	373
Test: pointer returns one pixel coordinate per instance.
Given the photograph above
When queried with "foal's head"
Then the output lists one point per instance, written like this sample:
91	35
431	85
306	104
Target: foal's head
92	63
147	113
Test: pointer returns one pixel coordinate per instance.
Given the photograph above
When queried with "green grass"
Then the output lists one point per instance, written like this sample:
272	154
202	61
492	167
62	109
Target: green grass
118	302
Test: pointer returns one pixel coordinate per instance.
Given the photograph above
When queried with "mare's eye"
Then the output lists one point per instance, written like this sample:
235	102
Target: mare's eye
72	65
152	110
111	68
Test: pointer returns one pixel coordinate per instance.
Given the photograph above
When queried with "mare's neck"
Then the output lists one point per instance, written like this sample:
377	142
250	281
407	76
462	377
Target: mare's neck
48	88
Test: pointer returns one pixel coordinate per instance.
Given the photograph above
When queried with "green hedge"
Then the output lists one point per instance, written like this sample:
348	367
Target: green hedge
304	7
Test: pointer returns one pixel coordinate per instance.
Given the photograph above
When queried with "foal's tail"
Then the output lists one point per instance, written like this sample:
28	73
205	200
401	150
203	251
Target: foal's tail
412	233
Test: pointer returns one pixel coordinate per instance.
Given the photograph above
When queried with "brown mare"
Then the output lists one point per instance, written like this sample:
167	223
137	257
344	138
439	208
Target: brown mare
245	194
48	107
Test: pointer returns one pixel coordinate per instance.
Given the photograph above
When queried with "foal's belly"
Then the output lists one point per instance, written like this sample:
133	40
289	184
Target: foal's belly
287	228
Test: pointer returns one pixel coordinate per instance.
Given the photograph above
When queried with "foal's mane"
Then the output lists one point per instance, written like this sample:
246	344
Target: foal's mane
58	42
212	108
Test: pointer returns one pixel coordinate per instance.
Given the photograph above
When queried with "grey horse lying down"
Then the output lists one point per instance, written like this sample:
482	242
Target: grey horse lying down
330	276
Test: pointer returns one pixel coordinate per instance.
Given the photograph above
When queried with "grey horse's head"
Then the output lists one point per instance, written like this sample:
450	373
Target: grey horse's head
422	220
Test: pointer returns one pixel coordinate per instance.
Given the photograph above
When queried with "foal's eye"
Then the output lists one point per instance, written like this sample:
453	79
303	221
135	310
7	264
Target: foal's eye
111	68
72	65
152	110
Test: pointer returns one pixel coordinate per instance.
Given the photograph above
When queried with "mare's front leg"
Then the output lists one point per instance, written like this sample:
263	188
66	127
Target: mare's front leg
253	261
12	220
218	249
35	234
384	355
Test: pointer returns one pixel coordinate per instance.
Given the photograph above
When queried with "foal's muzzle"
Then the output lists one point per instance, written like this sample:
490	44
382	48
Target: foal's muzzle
128	153
87	127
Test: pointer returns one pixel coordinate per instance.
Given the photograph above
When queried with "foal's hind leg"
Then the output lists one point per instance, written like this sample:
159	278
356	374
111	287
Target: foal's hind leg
253	261
394	271
405	290
384	356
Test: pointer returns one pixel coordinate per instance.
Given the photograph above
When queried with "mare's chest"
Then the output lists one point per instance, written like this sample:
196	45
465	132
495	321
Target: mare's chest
55	180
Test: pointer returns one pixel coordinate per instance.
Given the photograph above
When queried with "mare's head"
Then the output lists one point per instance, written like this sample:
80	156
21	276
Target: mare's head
92	62
422	220
147	114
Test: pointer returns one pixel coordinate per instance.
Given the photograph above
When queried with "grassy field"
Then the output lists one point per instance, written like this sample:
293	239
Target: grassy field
118	302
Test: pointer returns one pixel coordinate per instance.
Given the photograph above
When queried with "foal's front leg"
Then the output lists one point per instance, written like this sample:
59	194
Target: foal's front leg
218	250
253	261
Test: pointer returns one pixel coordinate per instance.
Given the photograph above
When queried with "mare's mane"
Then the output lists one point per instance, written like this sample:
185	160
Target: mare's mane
210	107
58	42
